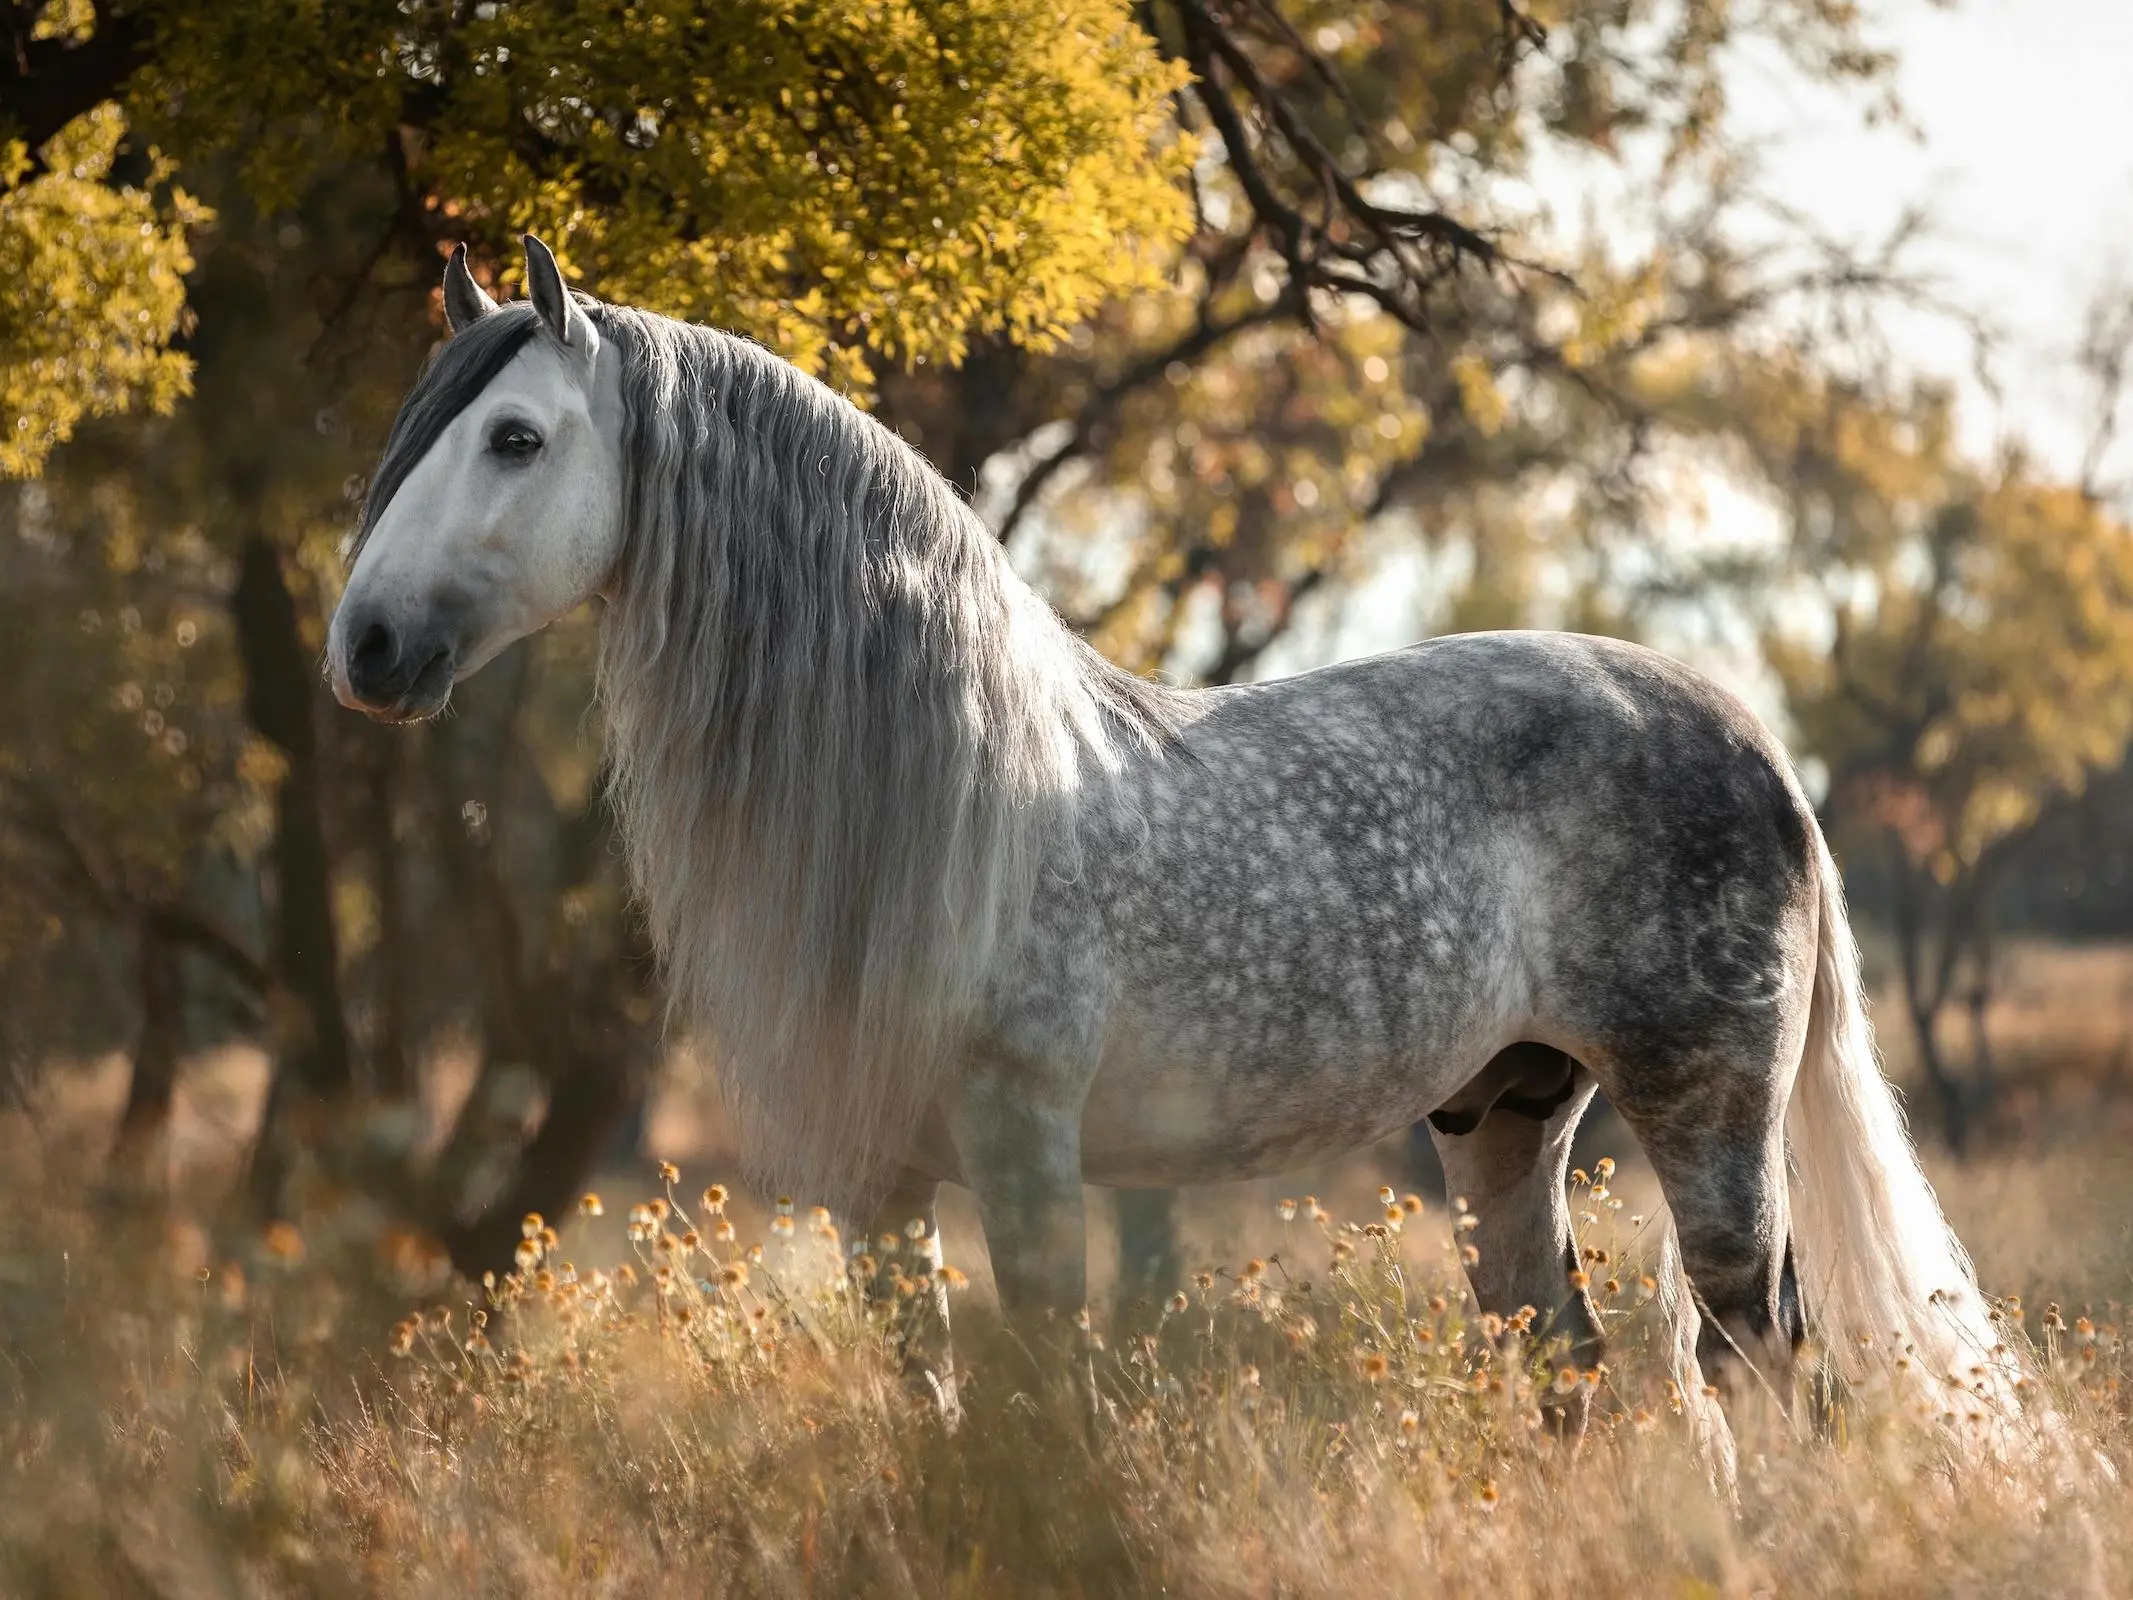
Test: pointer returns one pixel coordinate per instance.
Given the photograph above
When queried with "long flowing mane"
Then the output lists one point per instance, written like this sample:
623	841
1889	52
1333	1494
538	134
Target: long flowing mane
842	731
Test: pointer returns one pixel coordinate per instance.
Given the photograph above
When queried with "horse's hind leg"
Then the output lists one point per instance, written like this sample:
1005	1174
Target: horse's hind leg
1509	1165
1714	1132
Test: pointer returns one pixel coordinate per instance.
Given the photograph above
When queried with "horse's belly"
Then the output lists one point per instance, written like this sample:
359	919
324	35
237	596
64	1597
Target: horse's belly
1151	1122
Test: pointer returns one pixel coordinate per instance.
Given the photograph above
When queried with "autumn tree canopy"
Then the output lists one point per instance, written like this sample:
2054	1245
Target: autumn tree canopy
1199	299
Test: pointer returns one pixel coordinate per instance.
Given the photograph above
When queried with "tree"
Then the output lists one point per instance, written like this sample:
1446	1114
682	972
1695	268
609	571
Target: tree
846	180
1209	287
1962	667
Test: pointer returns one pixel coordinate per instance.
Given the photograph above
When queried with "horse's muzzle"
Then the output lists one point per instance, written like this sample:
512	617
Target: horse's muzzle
393	675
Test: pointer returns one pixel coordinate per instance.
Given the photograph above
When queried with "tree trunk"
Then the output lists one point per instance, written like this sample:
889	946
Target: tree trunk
307	1028
1954	1102
141	1151
391	1068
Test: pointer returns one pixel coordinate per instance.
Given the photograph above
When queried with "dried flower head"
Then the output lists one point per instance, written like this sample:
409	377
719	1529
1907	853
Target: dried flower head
589	1205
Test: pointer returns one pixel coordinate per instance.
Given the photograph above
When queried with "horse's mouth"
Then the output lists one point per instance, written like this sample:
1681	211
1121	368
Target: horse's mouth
422	699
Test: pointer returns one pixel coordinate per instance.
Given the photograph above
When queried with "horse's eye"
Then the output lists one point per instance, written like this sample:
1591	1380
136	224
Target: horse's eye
514	440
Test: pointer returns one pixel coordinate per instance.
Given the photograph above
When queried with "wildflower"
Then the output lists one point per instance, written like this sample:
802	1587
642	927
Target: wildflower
1342	1250
283	1242
953	1278
714	1198
734	1274
1438	1305
626	1275
1410	1423
1579	1278
1203	1281
1375	1366
755	1255
1411	1204
527	1254
1254	1269
691	1239
1469	1256
202	1274
549	1239
784	1205
589	1205
1491	1325
1566	1379
1385	1195
781	1226
1467	1222
1248	1375
819	1217
723	1233
1604	1167
1176	1303
657	1208
1286	1210
915	1228
403	1337
669	1173
1488	1493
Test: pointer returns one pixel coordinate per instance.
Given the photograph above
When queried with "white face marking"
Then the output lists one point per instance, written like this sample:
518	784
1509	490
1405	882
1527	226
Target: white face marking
511	520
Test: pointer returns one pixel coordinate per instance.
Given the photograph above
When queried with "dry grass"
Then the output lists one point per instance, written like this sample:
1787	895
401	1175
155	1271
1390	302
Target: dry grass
187	1418
1336	1419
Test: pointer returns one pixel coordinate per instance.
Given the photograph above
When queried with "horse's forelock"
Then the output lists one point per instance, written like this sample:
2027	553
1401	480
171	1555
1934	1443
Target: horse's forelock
465	365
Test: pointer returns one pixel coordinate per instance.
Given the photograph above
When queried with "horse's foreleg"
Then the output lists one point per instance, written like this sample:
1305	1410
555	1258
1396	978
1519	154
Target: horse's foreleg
1509	1167
906	1235
1018	1138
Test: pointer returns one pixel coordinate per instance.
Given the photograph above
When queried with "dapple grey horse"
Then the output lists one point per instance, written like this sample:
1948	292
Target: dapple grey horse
953	899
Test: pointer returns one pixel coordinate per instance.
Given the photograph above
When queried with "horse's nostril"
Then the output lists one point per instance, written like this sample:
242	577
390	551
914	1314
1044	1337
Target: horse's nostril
374	650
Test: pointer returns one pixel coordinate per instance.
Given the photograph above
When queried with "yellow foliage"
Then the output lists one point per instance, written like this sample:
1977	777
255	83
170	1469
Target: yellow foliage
1982	665
844	179
94	276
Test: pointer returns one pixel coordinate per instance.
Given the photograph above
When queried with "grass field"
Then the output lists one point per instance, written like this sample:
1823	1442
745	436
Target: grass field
1321	1412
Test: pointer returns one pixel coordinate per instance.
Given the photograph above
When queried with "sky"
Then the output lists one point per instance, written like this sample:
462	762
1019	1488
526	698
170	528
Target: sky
2023	153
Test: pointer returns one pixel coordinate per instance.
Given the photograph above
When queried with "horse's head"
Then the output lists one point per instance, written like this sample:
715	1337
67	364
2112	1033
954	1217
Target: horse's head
498	505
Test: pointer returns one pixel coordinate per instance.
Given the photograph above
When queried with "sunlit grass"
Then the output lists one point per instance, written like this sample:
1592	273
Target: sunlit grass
721	1413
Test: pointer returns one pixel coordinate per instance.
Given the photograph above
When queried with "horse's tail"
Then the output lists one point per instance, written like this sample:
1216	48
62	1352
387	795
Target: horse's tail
1887	1287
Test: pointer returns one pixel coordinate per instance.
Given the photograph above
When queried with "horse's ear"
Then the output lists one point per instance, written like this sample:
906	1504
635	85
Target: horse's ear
544	284
465	302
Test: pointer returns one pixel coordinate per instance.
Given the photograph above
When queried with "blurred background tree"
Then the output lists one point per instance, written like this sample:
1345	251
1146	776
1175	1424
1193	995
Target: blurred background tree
1219	311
